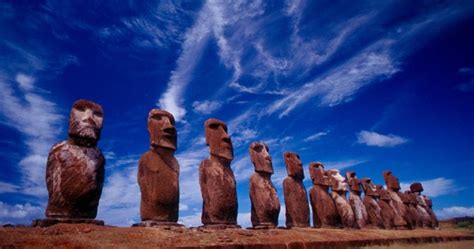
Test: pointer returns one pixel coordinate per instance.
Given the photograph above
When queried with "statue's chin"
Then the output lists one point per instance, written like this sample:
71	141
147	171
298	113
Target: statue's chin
226	155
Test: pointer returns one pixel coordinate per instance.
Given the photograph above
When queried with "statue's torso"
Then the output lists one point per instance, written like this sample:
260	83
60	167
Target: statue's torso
264	199
296	203
324	207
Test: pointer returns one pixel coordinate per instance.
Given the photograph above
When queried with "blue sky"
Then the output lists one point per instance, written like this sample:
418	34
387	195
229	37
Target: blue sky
369	86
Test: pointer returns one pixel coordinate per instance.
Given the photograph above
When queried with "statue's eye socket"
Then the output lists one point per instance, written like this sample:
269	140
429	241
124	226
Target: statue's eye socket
214	126
98	114
156	117
80	108
258	148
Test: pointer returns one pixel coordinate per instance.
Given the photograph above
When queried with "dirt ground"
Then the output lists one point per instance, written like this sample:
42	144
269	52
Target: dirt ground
92	236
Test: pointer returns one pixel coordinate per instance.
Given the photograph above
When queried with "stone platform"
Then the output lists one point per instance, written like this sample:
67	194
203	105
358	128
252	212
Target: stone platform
91	236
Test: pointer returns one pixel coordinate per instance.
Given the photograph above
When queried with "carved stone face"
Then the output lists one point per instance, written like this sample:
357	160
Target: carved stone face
404	197
412	197
384	195
218	140
294	167
260	156
338	182
416	187
85	120
369	187
428	201
353	182
391	181
318	174
161	129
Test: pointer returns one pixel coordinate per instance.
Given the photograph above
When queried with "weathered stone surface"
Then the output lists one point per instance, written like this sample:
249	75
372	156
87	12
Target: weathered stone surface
324	209
158	171
216	178
296	198
409	217
418	222
399	209
358	207
429	208
386	206
263	195
75	168
371	203
338	194
425	218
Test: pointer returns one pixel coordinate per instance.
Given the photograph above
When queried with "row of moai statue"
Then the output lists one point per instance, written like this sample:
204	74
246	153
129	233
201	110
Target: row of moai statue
75	176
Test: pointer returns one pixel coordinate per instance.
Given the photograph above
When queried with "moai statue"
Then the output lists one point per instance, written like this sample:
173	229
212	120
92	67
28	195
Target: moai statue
429	208
371	203
413	202
386	206
358	207
75	169
296	199
416	189
263	195
409	217
217	181
338	194
399	209
324	209
158	173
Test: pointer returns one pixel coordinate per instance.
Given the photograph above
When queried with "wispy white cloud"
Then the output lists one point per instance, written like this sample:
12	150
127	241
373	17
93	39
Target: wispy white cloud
343	164
316	136
38	119
371	138
243	219
206	106
6	187
435	187
454	212
19	213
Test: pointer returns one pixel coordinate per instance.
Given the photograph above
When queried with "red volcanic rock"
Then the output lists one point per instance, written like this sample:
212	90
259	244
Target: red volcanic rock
263	195
410	217
296	199
371	203
324	209
338	194
429	208
158	171
75	169
358	207
399	209
217	180
413	210
421	206
386	206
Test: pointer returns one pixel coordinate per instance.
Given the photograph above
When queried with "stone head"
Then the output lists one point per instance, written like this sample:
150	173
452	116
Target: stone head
391	181
404	197
428	201
384	195
353	182
338	182
369	187
85	121
218	139
319	176
260	156
412	197
294	167
161	127
416	187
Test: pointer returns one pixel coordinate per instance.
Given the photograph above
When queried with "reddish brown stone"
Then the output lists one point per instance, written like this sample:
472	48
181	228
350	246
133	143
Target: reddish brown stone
386	206
358	207
429	208
217	181
399	209
371	203
413	210
410	217
324	209
158	171
263	195
338	194
422	207
296	198
75	168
